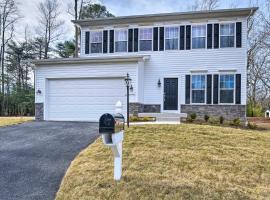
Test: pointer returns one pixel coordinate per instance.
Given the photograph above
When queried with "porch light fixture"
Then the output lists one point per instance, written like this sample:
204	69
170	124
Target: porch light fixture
131	88
38	91
128	83
159	83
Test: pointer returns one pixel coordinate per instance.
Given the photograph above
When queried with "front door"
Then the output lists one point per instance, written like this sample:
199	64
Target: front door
170	94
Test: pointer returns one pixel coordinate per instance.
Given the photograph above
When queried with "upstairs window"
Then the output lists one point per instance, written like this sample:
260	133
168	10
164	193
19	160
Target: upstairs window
227	35
96	41
198	88
226	88
171	38
146	37
198	36
121	40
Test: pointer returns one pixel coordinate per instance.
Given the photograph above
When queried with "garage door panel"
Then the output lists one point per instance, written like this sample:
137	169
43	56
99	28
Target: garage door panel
83	99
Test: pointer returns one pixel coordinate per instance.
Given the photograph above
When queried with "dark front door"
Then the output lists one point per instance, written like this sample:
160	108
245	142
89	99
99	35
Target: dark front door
170	93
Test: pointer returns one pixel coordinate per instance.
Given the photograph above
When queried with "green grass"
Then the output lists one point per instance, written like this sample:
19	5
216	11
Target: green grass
175	162
6	121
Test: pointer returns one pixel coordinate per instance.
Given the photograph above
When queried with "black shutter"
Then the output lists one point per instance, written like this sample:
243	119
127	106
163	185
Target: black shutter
130	40
111	41
161	38
187	89
209	89
188	37
182	37
238	89
105	41
216	36
87	39
215	95
209	36
136	38
238	34
155	45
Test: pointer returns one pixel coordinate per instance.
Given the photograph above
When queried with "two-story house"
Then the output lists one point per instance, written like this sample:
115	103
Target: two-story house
190	62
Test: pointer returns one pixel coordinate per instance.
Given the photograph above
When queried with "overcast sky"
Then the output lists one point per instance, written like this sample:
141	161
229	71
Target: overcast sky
29	10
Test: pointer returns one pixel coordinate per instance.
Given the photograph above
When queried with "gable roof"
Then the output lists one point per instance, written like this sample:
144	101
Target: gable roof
236	12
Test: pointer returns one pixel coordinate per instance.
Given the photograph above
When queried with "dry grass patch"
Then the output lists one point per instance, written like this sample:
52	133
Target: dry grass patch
6	121
175	162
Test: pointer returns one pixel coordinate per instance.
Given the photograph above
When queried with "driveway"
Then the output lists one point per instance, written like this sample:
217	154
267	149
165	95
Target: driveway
35	155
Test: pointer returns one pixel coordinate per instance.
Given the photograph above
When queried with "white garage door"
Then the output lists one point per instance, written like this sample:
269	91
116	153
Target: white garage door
83	99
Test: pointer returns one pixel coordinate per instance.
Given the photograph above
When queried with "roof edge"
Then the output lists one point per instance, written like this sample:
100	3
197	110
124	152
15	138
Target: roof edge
177	15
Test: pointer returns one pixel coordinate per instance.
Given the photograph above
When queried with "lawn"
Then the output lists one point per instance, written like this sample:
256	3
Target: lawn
6	121
175	162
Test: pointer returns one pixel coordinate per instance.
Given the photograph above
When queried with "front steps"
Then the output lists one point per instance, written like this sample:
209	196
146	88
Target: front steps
165	117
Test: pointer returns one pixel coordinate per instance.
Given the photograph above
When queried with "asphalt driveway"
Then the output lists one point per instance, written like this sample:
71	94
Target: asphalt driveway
35	155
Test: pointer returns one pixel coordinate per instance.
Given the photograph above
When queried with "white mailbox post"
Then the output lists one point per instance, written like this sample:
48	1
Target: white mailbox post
111	127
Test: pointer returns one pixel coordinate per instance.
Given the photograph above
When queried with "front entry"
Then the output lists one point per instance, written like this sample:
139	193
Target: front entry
170	94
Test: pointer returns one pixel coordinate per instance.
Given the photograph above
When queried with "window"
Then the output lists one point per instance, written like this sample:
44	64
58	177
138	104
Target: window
198	36
226	35
171	38
226	85
120	40
198	88
96	41
145	36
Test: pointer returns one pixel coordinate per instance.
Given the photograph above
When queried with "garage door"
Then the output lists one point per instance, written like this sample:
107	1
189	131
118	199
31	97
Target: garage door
83	99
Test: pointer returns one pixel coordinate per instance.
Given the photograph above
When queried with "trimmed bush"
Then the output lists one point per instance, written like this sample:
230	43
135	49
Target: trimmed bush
221	119
193	116
252	125
236	122
206	118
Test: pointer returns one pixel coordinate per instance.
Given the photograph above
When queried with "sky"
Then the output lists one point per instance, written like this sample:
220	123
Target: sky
29	11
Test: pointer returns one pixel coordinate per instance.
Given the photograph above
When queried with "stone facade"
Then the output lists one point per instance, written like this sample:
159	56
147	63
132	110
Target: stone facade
135	108
151	108
229	112
39	111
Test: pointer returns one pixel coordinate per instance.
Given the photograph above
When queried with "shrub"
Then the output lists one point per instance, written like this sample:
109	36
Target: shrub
221	119
206	118
236	122
189	119
252	125
193	116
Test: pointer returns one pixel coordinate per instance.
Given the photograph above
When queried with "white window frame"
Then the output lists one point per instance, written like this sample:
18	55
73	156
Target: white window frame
152	38
172	26
205	41
120	29
205	87
90	49
234	39
234	89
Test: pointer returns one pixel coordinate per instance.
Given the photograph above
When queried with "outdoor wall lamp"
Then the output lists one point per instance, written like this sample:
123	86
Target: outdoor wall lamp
38	91
131	88
159	83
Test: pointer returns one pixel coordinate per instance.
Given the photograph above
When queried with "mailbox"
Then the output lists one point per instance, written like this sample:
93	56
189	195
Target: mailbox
111	128
111	123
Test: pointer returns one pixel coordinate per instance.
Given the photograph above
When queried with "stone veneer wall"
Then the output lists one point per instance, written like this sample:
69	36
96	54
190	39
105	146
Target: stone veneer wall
39	111
135	108
229	112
